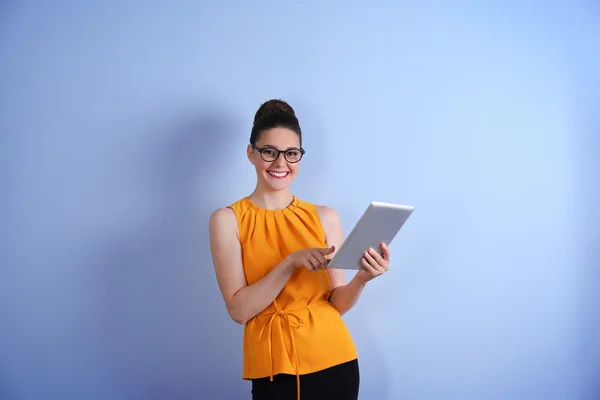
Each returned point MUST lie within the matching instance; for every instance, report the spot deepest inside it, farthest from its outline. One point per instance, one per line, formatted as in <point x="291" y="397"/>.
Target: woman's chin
<point x="278" y="183"/>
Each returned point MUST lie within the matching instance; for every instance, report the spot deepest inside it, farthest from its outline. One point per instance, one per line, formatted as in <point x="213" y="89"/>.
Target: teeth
<point x="278" y="174"/>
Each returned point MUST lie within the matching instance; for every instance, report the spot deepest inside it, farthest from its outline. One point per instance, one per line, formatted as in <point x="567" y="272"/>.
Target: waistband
<point x="293" y="322"/>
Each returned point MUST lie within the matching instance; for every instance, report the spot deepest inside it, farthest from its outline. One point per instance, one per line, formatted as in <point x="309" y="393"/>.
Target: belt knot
<point x="293" y="322"/>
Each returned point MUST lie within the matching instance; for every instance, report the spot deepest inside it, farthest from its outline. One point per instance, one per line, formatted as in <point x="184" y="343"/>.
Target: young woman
<point x="270" y="252"/>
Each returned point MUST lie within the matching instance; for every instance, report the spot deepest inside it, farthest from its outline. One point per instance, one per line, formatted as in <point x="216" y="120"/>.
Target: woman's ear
<point x="250" y="153"/>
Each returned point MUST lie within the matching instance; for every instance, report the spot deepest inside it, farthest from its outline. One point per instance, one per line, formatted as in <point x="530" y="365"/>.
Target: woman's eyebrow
<point x="270" y="146"/>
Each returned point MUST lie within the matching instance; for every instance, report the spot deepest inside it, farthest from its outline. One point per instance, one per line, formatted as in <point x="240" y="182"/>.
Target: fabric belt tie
<point x="293" y="322"/>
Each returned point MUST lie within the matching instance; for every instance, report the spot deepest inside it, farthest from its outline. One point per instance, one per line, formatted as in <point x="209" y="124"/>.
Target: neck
<point x="271" y="199"/>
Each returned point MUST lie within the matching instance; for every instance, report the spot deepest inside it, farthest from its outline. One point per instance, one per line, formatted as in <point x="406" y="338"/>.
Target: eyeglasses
<point x="270" y="154"/>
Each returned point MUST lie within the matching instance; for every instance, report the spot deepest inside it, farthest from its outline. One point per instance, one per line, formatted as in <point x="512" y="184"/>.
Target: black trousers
<point x="339" y="382"/>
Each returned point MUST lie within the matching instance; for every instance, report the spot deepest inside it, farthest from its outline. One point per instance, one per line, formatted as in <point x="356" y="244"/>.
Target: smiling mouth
<point x="278" y="175"/>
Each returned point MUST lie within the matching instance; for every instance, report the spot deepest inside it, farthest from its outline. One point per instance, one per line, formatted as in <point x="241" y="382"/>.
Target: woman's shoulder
<point x="330" y="222"/>
<point x="223" y="217"/>
<point x="328" y="216"/>
<point x="227" y="215"/>
<point x="232" y="209"/>
<point x="326" y="212"/>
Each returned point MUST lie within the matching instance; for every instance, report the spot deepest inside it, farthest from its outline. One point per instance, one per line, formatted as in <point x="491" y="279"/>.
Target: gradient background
<point x="124" y="124"/>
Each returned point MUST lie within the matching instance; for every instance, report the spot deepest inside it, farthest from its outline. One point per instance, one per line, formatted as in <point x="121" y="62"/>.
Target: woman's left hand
<point x="375" y="264"/>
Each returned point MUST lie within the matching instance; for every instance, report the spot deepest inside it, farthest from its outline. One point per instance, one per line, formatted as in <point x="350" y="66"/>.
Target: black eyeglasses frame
<point x="279" y="152"/>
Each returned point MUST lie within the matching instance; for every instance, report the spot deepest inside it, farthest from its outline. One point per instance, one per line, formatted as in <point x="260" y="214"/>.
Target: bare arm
<point x="243" y="301"/>
<point x="344" y="295"/>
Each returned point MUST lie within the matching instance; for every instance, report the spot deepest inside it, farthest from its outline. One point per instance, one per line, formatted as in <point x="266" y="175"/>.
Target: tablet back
<point x="380" y="222"/>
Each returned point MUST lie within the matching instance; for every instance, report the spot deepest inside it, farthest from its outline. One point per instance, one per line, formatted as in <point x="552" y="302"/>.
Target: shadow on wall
<point x="163" y="328"/>
<point x="155" y="324"/>
<point x="374" y="367"/>
<point x="590" y="326"/>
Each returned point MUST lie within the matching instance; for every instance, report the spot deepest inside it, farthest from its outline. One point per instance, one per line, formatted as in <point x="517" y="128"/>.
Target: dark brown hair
<point x="274" y="114"/>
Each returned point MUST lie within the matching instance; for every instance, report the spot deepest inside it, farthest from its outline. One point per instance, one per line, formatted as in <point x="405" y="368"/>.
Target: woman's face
<point x="277" y="174"/>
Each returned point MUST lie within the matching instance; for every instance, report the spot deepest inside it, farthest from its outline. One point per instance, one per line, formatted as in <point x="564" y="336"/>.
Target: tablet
<point x="380" y="222"/>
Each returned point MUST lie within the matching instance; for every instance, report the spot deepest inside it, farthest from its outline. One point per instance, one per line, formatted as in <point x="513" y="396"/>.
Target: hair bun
<point x="274" y="113"/>
<point x="271" y="107"/>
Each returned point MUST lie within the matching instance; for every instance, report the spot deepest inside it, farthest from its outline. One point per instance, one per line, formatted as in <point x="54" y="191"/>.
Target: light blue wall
<point x="124" y="124"/>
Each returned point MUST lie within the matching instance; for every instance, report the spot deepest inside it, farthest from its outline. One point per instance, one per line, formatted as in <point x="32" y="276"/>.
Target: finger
<point x="386" y="251"/>
<point x="368" y="266"/>
<point x="376" y="266"/>
<point x="382" y="263"/>
<point x="324" y="262"/>
<point x="312" y="263"/>
<point x="370" y="259"/>
<point x="378" y="258"/>
<point x="320" y="261"/>
<point x="327" y="250"/>
<point x="320" y="257"/>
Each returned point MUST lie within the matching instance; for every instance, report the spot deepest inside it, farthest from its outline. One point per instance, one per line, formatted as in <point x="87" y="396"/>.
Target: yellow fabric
<point x="301" y="331"/>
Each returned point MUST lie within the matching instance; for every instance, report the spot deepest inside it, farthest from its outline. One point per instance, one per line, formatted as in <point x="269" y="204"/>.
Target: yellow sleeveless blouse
<point x="300" y="331"/>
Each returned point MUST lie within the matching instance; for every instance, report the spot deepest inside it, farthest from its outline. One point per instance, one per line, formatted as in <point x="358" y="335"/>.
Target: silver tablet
<point x="380" y="222"/>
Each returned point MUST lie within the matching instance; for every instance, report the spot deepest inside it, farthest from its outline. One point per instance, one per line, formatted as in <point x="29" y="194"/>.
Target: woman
<point x="270" y="252"/>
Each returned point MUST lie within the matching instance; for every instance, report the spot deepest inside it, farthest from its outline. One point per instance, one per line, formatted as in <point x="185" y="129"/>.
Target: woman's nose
<point x="280" y="161"/>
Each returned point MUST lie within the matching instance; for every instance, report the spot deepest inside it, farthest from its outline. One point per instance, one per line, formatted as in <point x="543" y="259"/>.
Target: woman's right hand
<point x="313" y="259"/>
